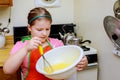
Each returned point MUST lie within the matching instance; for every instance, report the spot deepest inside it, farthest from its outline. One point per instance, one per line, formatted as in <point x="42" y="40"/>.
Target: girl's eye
<point x="39" y="29"/>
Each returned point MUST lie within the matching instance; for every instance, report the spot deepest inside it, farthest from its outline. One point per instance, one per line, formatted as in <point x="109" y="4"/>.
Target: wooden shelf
<point x="6" y="76"/>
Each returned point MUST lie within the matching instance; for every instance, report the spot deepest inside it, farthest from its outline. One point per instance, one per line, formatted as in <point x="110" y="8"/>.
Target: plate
<point x="47" y="3"/>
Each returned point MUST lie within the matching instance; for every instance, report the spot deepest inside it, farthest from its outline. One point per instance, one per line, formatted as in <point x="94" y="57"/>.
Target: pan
<point x="112" y="28"/>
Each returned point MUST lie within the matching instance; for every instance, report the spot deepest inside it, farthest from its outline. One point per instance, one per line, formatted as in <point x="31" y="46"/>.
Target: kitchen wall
<point x="88" y="15"/>
<point x="20" y="9"/>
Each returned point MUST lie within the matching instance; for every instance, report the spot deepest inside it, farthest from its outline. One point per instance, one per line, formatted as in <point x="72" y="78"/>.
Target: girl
<point x="25" y="53"/>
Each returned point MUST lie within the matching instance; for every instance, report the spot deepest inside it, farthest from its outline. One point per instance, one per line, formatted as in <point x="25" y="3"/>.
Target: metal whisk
<point x="47" y="66"/>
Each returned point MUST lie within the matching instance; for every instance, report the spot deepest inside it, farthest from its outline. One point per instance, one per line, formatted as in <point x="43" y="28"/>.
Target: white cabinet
<point x="88" y="74"/>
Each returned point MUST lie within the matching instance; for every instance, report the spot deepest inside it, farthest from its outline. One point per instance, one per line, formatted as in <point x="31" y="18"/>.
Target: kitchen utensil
<point x="78" y="41"/>
<point x="67" y="37"/>
<point x="5" y="30"/>
<point x="116" y="9"/>
<point x="69" y="54"/>
<point x="112" y="28"/>
<point x="47" y="65"/>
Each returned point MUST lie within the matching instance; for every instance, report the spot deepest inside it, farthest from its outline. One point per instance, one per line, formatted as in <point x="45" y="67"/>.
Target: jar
<point x="2" y="40"/>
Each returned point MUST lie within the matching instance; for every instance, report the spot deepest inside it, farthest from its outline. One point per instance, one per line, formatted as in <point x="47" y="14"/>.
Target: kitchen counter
<point x="4" y="52"/>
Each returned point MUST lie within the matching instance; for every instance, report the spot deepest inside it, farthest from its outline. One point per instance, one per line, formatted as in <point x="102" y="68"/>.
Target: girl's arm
<point x="14" y="61"/>
<point x="82" y="64"/>
<point x="16" y="58"/>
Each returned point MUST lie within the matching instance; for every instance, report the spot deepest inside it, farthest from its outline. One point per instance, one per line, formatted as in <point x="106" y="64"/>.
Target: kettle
<point x="71" y="39"/>
<point x="67" y="37"/>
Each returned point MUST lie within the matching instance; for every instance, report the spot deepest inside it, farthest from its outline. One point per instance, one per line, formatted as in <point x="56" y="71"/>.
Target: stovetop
<point x="89" y="50"/>
<point x="85" y="48"/>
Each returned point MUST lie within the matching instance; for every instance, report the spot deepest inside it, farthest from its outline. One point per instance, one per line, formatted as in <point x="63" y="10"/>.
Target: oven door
<point x="92" y="60"/>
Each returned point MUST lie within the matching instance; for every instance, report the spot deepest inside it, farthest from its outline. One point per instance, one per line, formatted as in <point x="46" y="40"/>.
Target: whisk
<point x="47" y="66"/>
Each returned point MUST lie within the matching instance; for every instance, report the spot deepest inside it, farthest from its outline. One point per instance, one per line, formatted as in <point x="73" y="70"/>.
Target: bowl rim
<point x="66" y="69"/>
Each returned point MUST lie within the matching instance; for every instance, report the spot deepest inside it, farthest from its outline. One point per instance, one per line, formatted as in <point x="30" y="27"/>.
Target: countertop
<point x="4" y="52"/>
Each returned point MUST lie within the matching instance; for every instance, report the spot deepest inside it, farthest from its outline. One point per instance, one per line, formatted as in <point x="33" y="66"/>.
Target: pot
<point x="78" y="41"/>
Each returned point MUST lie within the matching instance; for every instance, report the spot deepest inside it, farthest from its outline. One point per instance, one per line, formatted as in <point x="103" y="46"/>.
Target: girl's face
<point x="40" y="29"/>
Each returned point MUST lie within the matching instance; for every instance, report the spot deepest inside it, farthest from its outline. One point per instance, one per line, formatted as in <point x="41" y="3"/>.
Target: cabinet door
<point x="5" y="2"/>
<point x="7" y="77"/>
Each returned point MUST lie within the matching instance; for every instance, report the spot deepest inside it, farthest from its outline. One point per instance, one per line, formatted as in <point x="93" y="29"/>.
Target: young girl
<point x="25" y="53"/>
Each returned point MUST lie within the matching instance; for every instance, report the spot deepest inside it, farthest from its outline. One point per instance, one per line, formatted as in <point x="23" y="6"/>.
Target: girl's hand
<point x="33" y="43"/>
<point x="82" y="64"/>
